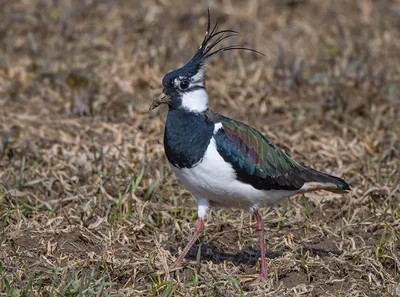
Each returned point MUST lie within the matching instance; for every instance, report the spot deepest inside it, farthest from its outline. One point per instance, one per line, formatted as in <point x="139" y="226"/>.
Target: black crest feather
<point x="213" y="38"/>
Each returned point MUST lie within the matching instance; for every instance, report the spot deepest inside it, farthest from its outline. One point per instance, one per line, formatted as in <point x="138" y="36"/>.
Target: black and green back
<point x="259" y="162"/>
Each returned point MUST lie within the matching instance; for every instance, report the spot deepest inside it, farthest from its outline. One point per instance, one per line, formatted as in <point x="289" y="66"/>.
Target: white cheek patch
<point x="194" y="82"/>
<point x="199" y="77"/>
<point x="196" y="100"/>
<point x="177" y="81"/>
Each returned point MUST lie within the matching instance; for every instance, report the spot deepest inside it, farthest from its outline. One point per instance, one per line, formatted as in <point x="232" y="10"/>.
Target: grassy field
<point x="88" y="205"/>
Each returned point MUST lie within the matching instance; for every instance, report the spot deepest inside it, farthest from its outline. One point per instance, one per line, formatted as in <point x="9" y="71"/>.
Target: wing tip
<point x="346" y="187"/>
<point x="341" y="184"/>
<point x="336" y="186"/>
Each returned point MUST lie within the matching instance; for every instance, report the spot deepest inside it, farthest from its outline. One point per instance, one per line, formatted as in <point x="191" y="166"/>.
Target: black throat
<point x="186" y="137"/>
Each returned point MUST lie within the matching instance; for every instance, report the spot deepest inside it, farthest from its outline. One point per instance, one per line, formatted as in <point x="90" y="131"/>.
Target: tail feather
<point x="316" y="180"/>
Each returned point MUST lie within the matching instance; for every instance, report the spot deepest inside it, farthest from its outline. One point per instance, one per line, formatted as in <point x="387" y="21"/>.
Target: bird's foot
<point x="177" y="264"/>
<point x="262" y="277"/>
<point x="264" y="272"/>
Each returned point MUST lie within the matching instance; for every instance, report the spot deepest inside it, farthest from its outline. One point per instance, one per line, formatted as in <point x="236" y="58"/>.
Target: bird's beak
<point x="162" y="99"/>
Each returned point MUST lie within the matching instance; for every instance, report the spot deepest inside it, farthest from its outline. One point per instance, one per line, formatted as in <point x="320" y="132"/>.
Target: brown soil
<point x="88" y="205"/>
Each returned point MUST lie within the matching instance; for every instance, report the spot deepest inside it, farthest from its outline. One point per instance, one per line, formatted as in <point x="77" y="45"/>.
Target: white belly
<point x="214" y="179"/>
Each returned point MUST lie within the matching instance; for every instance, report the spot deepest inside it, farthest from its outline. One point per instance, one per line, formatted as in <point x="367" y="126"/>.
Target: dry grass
<point x="87" y="203"/>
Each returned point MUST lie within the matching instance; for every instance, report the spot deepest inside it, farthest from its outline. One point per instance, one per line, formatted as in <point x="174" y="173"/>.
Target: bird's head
<point x="184" y="88"/>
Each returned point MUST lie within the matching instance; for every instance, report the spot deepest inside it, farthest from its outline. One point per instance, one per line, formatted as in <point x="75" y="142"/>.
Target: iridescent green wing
<point x="259" y="162"/>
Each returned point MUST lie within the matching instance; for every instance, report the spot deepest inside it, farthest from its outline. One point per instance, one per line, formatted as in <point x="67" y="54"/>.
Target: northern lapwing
<point x="223" y="162"/>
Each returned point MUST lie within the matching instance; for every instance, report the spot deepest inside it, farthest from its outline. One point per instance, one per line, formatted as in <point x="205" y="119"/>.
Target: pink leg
<point x="260" y="228"/>
<point x="192" y="240"/>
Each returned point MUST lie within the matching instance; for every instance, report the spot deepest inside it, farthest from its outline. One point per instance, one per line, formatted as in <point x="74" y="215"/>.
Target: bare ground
<point x="88" y="205"/>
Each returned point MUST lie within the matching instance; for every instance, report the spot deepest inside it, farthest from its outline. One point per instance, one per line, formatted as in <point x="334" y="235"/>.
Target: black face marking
<point x="195" y="88"/>
<point x="178" y="82"/>
<point x="186" y="137"/>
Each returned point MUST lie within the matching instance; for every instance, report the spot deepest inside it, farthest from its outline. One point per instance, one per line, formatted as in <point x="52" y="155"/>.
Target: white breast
<point x="215" y="180"/>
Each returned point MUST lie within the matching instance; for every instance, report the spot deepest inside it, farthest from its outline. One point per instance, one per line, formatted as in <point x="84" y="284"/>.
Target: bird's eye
<point x="184" y="85"/>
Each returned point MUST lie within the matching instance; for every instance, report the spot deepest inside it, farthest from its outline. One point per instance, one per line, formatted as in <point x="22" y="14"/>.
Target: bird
<point x="223" y="162"/>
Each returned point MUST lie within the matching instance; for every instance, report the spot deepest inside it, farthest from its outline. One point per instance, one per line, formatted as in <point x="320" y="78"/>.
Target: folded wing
<point x="259" y="162"/>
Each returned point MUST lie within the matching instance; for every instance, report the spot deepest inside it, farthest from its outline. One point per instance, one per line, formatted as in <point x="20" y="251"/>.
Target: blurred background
<point x="88" y="204"/>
